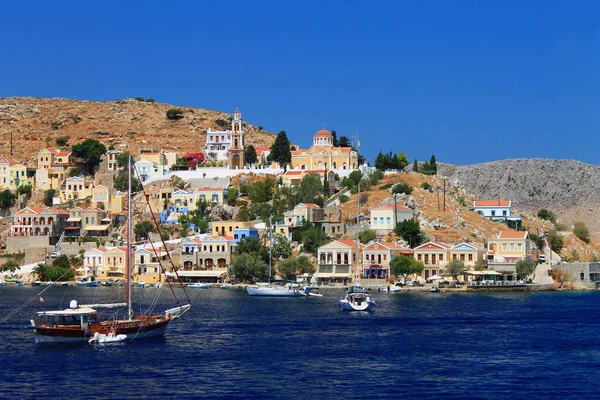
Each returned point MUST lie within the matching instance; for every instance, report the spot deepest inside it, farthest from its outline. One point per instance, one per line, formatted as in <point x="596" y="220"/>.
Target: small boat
<point x="2" y="283"/>
<point x="357" y="299"/>
<point x="225" y="286"/>
<point x="434" y="289"/>
<point x="315" y="294"/>
<point x="63" y="284"/>
<point x="142" y="284"/>
<point x="158" y="285"/>
<point x="111" y="337"/>
<point x="49" y="283"/>
<point x="396" y="287"/>
<point x="36" y="283"/>
<point x="199" y="285"/>
<point x="20" y="282"/>
<point x="106" y="283"/>
<point x="86" y="282"/>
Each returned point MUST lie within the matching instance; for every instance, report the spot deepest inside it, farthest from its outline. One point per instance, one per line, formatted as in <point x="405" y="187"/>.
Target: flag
<point x="358" y="143"/>
<point x="41" y="300"/>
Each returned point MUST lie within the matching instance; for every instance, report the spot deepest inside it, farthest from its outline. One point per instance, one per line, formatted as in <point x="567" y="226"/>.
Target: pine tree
<point x="433" y="165"/>
<point x="250" y="155"/>
<point x="415" y="166"/>
<point x="280" y="150"/>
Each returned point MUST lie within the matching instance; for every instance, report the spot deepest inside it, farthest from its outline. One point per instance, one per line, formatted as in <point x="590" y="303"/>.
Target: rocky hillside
<point x="129" y="124"/>
<point x="569" y="188"/>
<point x="453" y="220"/>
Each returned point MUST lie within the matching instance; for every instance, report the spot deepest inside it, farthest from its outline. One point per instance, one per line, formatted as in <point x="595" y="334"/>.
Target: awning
<point x="96" y="227"/>
<point x="106" y="219"/>
<point x="332" y="275"/>
<point x="74" y="219"/>
<point x="215" y="273"/>
<point x="484" y="272"/>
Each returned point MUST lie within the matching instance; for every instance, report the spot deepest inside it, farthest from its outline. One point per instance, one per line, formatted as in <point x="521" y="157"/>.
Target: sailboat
<point x="80" y="323"/>
<point x="356" y="298"/>
<point x="268" y="289"/>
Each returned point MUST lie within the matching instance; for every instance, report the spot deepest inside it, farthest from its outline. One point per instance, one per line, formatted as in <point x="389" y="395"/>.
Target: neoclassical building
<point x="228" y="144"/>
<point x="323" y="155"/>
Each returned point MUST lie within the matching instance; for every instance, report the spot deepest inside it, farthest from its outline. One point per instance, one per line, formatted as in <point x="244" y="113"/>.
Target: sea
<point x="230" y="346"/>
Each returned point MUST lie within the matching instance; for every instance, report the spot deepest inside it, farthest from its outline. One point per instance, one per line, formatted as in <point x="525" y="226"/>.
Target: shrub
<point x="385" y="187"/>
<point x="344" y="198"/>
<point x="426" y="186"/>
<point x="55" y="125"/>
<point x="402" y="187"/>
<point x="581" y="231"/>
<point x="61" y="141"/>
<point x="547" y="215"/>
<point x="139" y="98"/>
<point x="462" y="201"/>
<point x="150" y="100"/>
<point x="175" y="113"/>
<point x="366" y="236"/>
<point x="363" y="198"/>
<point x="24" y="189"/>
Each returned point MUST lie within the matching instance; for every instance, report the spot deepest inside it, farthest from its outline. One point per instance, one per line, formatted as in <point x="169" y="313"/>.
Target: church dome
<point x="323" y="133"/>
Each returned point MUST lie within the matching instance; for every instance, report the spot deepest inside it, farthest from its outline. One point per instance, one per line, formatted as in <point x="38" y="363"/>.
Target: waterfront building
<point x="87" y="221"/>
<point x="104" y="262"/>
<point x="149" y="262"/>
<point x="323" y="155"/>
<point x="469" y="254"/>
<point x="205" y="258"/>
<point x="336" y="261"/>
<point x="376" y="261"/>
<point x="434" y="256"/>
<point x="37" y="221"/>
<point x="509" y="247"/>
<point x="384" y="219"/>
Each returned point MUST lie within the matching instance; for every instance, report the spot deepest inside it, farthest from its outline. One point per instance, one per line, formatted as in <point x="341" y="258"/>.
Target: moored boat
<point x="199" y="285"/>
<point x="356" y="299"/>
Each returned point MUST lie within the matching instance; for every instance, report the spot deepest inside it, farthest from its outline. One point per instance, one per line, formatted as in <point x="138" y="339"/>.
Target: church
<point x="323" y="155"/>
<point x="227" y="144"/>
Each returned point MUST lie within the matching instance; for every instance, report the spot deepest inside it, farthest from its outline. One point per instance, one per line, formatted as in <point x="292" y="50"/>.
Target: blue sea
<point x="230" y="345"/>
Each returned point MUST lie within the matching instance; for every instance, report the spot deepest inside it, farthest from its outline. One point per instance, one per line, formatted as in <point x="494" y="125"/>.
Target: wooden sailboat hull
<point x="140" y="328"/>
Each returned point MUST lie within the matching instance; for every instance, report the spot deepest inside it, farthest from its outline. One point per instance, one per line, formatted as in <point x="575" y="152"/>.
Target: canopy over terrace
<point x="490" y="274"/>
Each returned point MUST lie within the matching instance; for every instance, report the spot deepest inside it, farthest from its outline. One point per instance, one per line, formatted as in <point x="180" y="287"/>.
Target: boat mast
<point x="128" y="261"/>
<point x="356" y="283"/>
<point x="270" y="244"/>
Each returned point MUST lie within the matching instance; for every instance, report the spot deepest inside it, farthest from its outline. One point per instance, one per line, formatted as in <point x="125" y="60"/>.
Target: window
<point x="441" y="257"/>
<point x="581" y="276"/>
<point x="504" y="247"/>
<point x="374" y="221"/>
<point x="504" y="213"/>
<point x="493" y="213"/>
<point x="519" y="246"/>
<point x="512" y="247"/>
<point x="388" y="220"/>
<point x="470" y="257"/>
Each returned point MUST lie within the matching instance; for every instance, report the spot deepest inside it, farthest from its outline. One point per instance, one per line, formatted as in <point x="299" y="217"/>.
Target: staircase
<point x="58" y="245"/>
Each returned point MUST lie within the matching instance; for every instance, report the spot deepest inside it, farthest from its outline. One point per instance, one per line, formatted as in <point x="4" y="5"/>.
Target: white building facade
<point x="219" y="142"/>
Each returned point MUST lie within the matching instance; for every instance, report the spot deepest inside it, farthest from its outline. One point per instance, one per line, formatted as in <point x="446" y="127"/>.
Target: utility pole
<point x="444" y="195"/>
<point x="11" y="150"/>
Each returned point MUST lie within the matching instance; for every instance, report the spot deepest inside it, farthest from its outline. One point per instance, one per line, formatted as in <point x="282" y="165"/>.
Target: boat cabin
<point x="80" y="317"/>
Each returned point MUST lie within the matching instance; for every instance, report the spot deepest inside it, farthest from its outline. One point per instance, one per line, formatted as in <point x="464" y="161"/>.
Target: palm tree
<point x="40" y="271"/>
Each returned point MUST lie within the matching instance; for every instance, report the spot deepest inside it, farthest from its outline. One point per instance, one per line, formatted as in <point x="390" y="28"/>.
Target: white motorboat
<point x="357" y="299"/>
<point x="396" y="287"/>
<point x="434" y="289"/>
<point x="111" y="337"/>
<point x="199" y="285"/>
<point x="274" y="291"/>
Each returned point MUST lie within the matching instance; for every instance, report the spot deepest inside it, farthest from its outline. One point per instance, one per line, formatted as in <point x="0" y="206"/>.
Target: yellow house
<point x="323" y="155"/>
<point x="337" y="262"/>
<point x="4" y="173"/>
<point x="104" y="262"/>
<point x="76" y="188"/>
<point x="434" y="256"/>
<point x="225" y="228"/>
<point x="509" y="247"/>
<point x="303" y="212"/>
<point x="49" y="178"/>
<point x="376" y="260"/>
<point x="20" y="175"/>
<point x="383" y="219"/>
<point x="117" y="203"/>
<point x="467" y="253"/>
<point x="52" y="158"/>
<point x="148" y="262"/>
<point x="210" y="195"/>
<point x="100" y="195"/>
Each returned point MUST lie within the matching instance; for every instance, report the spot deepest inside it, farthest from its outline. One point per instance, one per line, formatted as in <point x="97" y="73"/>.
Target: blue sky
<point x="468" y="81"/>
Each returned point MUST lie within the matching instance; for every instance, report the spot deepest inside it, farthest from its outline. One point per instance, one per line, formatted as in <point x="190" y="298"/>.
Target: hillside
<point x="457" y="222"/>
<point x="571" y="189"/>
<point x="129" y="124"/>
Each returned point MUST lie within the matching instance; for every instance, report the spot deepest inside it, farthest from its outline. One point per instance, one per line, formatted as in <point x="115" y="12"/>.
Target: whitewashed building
<point x="219" y="142"/>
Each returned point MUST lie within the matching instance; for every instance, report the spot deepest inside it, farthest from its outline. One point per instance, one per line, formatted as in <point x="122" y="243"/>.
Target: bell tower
<point x="236" y="151"/>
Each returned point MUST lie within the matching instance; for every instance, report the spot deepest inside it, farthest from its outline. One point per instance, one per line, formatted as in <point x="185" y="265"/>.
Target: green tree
<point x="248" y="268"/>
<point x="366" y="236"/>
<point x="90" y="151"/>
<point x="232" y="195"/>
<point x="24" y="189"/>
<point x="280" y="150"/>
<point x="581" y="231"/>
<point x="410" y="231"/>
<point x="386" y="161"/>
<point x="62" y="141"/>
<point x="344" y="141"/>
<point x="309" y="190"/>
<point x="121" y="182"/>
<point x="40" y="271"/>
<point x="250" y="155"/>
<point x="281" y="248"/>
<point x="142" y="229"/>
<point x="61" y="261"/>
<point x="454" y="268"/>
<point x="312" y="239"/>
<point x="415" y="166"/>
<point x="9" y="266"/>
<point x="262" y="191"/>
<point x="7" y="199"/>
<point x="174" y="114"/>
<point x="288" y="268"/>
<point x="402" y="187"/>
<point x="402" y="160"/>
<point x="430" y="168"/>
<point x="49" y="196"/>
<point x="547" y="215"/>
<point x="123" y="159"/>
<point x="525" y="268"/>
<point x="404" y="266"/>
<point x="555" y="240"/>
<point x="254" y="247"/>
<point x="351" y="181"/>
<point x="305" y="266"/>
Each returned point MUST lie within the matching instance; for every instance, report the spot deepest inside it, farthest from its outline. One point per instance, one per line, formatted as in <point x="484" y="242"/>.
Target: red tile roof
<point x="350" y="243"/>
<point x="324" y="133"/>
<point x="309" y="205"/>
<point x="512" y="235"/>
<point x="491" y="203"/>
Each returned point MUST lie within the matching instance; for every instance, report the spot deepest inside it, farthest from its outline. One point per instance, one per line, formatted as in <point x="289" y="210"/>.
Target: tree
<point x="254" y="247"/>
<point x="312" y="239"/>
<point x="7" y="199"/>
<point x="121" y="182"/>
<point x="49" y="196"/>
<point x="281" y="247"/>
<point x="415" y="166"/>
<point x="454" y="268"/>
<point x="556" y="241"/>
<point x="344" y="141"/>
<point x="430" y="168"/>
<point x="309" y="190"/>
<point x="61" y="261"/>
<point x="410" y="231"/>
<point x="40" y="271"/>
<point x="250" y="155"/>
<point x="547" y="215"/>
<point x="581" y="231"/>
<point x="143" y="228"/>
<point x="248" y="268"/>
<point x="123" y="159"/>
<point x="232" y="195"/>
<point x="9" y="266"/>
<point x="352" y="180"/>
<point x="62" y="141"/>
<point x="525" y="268"/>
<point x="280" y="150"/>
<point x="402" y="160"/>
<point x="24" y="189"/>
<point x="174" y="114"/>
<point x="90" y="151"/>
<point x="402" y="187"/>
<point x="386" y="161"/>
<point x="366" y="236"/>
<point x="262" y="191"/>
<point x="288" y="268"/>
<point x="305" y="266"/>
<point x="404" y="266"/>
